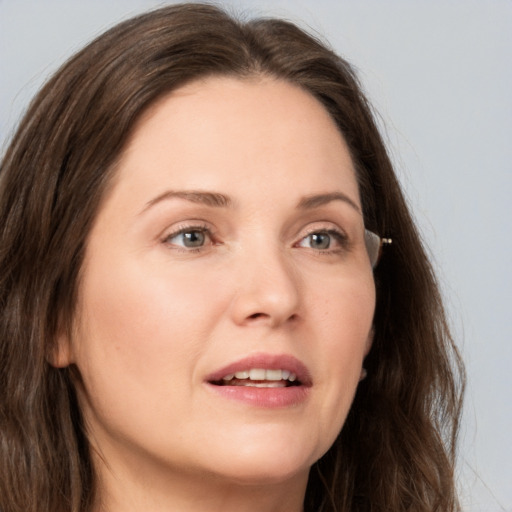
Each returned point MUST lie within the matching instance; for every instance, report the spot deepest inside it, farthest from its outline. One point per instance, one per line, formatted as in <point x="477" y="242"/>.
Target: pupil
<point x="320" y="241"/>
<point x="193" y="239"/>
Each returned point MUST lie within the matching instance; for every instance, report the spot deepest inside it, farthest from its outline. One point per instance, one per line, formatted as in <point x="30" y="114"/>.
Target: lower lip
<point x="269" y="398"/>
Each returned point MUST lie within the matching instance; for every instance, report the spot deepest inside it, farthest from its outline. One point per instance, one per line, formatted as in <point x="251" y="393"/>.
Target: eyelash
<point x="339" y="236"/>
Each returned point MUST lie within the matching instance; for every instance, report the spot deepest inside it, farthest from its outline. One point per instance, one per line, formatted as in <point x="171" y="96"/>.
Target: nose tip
<point x="267" y="295"/>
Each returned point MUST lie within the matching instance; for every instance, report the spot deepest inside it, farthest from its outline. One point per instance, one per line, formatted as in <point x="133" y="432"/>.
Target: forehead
<point x="227" y="132"/>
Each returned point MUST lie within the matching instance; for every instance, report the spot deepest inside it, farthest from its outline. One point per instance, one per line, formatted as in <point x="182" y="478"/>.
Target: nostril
<point x="265" y="316"/>
<point x="255" y="316"/>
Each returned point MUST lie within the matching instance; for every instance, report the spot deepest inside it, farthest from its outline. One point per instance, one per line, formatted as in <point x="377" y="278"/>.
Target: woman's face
<point x="227" y="259"/>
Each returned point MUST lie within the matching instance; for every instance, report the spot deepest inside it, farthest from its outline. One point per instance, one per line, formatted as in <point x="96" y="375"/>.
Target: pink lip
<point x="264" y="397"/>
<point x="267" y="361"/>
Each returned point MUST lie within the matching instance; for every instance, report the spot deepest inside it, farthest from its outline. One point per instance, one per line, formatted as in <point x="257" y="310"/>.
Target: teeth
<point x="270" y="384"/>
<point x="257" y="374"/>
<point x="261" y="374"/>
<point x="273" y="375"/>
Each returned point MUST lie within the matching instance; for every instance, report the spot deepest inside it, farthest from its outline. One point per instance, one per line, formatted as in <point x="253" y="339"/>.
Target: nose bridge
<point x="268" y="285"/>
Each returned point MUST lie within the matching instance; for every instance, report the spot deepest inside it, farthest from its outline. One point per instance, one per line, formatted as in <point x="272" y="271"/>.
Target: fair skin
<point x="232" y="235"/>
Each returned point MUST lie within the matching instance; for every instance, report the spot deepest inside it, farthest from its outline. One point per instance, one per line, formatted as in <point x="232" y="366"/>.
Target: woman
<point x="193" y="317"/>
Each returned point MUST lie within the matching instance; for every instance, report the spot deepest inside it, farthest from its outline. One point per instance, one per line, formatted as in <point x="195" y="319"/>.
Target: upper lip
<point x="266" y="361"/>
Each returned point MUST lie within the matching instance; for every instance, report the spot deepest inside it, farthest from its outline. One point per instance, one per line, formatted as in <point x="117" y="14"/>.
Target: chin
<point x="263" y="473"/>
<point x="265" y="459"/>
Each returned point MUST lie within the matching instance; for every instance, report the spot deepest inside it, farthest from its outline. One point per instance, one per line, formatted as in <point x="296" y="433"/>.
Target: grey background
<point x="440" y="75"/>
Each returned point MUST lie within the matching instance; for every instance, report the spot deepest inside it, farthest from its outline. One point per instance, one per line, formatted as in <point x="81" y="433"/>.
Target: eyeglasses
<point x="374" y="244"/>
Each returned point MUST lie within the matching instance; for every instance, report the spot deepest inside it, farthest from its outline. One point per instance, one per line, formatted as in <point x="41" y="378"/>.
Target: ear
<point x="60" y="352"/>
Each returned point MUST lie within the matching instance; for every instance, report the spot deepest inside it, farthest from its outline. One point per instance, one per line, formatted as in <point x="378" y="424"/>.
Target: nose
<point x="267" y="290"/>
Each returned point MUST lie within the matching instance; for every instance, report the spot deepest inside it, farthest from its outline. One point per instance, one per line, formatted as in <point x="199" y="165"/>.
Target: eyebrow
<point x="214" y="199"/>
<point x="218" y="200"/>
<point x="317" y="200"/>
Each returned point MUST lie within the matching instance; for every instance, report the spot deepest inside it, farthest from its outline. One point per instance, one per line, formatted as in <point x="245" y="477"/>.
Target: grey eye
<point x="193" y="239"/>
<point x="320" y="240"/>
<point x="189" y="238"/>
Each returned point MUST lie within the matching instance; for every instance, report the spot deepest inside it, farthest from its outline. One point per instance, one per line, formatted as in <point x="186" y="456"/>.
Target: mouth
<point x="263" y="381"/>
<point x="260" y="378"/>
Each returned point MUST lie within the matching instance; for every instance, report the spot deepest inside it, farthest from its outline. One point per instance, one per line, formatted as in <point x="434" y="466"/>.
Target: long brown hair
<point x="396" y="450"/>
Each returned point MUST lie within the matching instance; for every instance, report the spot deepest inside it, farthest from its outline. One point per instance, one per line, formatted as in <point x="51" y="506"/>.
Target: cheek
<point x="140" y="330"/>
<point x="131" y="304"/>
<point x="345" y="315"/>
<point x="344" y="308"/>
